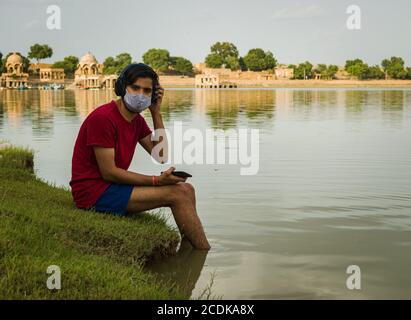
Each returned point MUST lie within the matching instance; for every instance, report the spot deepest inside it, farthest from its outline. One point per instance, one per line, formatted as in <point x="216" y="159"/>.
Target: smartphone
<point x="181" y="174"/>
<point x="153" y="96"/>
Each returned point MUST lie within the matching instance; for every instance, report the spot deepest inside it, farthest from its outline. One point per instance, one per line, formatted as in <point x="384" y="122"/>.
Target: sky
<point x="294" y="31"/>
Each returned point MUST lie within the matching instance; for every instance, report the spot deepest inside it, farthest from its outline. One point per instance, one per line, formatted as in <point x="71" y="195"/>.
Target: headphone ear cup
<point x="120" y="85"/>
<point x="119" y="88"/>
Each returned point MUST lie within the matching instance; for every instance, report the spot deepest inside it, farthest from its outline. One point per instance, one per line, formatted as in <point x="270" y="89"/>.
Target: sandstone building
<point x="52" y="75"/>
<point x="89" y="74"/>
<point x="226" y="78"/>
<point x="14" y="77"/>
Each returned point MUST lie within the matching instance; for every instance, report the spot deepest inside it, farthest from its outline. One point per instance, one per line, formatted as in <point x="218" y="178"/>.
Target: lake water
<point x="333" y="187"/>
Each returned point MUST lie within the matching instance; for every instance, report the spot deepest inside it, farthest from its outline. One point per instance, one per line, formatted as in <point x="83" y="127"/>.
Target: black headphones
<point x="120" y="85"/>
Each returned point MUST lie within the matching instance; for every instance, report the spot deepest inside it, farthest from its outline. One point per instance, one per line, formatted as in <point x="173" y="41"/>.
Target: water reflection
<point x="183" y="269"/>
<point x="356" y="100"/>
<point x="42" y="115"/>
<point x="224" y="108"/>
<point x="14" y="104"/>
<point x="177" y="103"/>
<point x="392" y="104"/>
<point x="314" y="97"/>
<point x="87" y="100"/>
<point x="392" y="100"/>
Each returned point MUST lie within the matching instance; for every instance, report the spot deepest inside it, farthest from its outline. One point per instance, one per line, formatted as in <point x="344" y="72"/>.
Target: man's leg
<point x="181" y="199"/>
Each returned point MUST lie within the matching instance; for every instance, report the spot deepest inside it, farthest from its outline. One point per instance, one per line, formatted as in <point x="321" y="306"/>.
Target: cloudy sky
<point x="294" y="31"/>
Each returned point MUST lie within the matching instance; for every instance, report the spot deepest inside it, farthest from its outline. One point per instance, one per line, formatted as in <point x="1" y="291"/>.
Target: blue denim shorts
<point x="114" y="199"/>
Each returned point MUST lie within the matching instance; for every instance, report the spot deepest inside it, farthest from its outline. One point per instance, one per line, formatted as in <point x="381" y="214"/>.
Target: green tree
<point x="214" y="61"/>
<point x="350" y="63"/>
<point x="362" y="71"/>
<point x="40" y="51"/>
<point x="303" y="70"/>
<point x="331" y="71"/>
<point x="409" y="73"/>
<point x="233" y="63"/>
<point x="69" y="64"/>
<point x="242" y="64"/>
<point x="1" y="63"/>
<point x="321" y="69"/>
<point x="26" y="64"/>
<point x="123" y="60"/>
<point x="158" y="59"/>
<point x="375" y="72"/>
<point x="255" y="59"/>
<point x="223" y="53"/>
<point x="357" y="68"/>
<point x="109" y="66"/>
<point x="327" y="72"/>
<point x="270" y="61"/>
<point x="182" y="65"/>
<point x="117" y="64"/>
<point x="394" y="68"/>
<point x="258" y="60"/>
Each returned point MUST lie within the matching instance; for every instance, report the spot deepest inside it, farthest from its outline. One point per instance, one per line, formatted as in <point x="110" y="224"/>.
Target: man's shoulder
<point x="103" y="111"/>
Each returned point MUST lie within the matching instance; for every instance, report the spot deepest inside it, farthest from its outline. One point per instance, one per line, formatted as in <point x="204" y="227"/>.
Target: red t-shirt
<point x="104" y="127"/>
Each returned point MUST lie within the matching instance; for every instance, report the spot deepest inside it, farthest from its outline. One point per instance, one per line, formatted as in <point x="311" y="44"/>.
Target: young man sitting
<point x="105" y="147"/>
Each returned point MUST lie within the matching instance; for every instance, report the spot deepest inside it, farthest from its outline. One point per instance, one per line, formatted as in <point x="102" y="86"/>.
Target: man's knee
<point x="187" y="187"/>
<point x="183" y="191"/>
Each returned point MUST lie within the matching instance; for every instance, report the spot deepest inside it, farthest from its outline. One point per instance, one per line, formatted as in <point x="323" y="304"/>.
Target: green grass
<point x="100" y="256"/>
<point x="12" y="157"/>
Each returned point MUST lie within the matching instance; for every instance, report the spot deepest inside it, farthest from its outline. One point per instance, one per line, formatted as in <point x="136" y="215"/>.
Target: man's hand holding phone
<point x="167" y="177"/>
<point x="158" y="95"/>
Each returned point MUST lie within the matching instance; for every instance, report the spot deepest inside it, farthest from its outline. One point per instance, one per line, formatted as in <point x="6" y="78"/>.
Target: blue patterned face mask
<point x="136" y="102"/>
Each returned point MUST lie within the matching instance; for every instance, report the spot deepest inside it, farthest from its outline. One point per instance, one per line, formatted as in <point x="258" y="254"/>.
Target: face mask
<point x="136" y="102"/>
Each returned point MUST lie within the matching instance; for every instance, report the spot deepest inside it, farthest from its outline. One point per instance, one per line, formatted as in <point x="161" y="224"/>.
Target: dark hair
<point x="131" y="73"/>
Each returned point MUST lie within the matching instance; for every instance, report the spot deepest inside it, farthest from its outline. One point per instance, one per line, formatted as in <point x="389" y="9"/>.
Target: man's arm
<point x="149" y="143"/>
<point x="111" y="173"/>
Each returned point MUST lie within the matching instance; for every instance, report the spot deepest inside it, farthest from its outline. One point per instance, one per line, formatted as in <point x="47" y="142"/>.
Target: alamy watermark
<point x="354" y="280"/>
<point x="53" y="21"/>
<point x="209" y="146"/>
<point x="54" y="280"/>
<point x="354" y="18"/>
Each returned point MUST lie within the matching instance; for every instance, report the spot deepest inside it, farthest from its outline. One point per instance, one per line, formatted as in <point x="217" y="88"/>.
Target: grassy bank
<point x="100" y="256"/>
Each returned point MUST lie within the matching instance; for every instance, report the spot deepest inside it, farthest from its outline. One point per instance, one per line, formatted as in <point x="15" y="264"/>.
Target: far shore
<point x="188" y="82"/>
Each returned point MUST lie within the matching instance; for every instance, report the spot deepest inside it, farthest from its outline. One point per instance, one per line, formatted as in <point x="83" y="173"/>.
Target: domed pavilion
<point x="89" y="74"/>
<point x="14" y="77"/>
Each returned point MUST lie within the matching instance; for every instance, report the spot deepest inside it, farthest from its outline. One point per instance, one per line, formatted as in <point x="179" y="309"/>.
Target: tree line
<point x="223" y="54"/>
